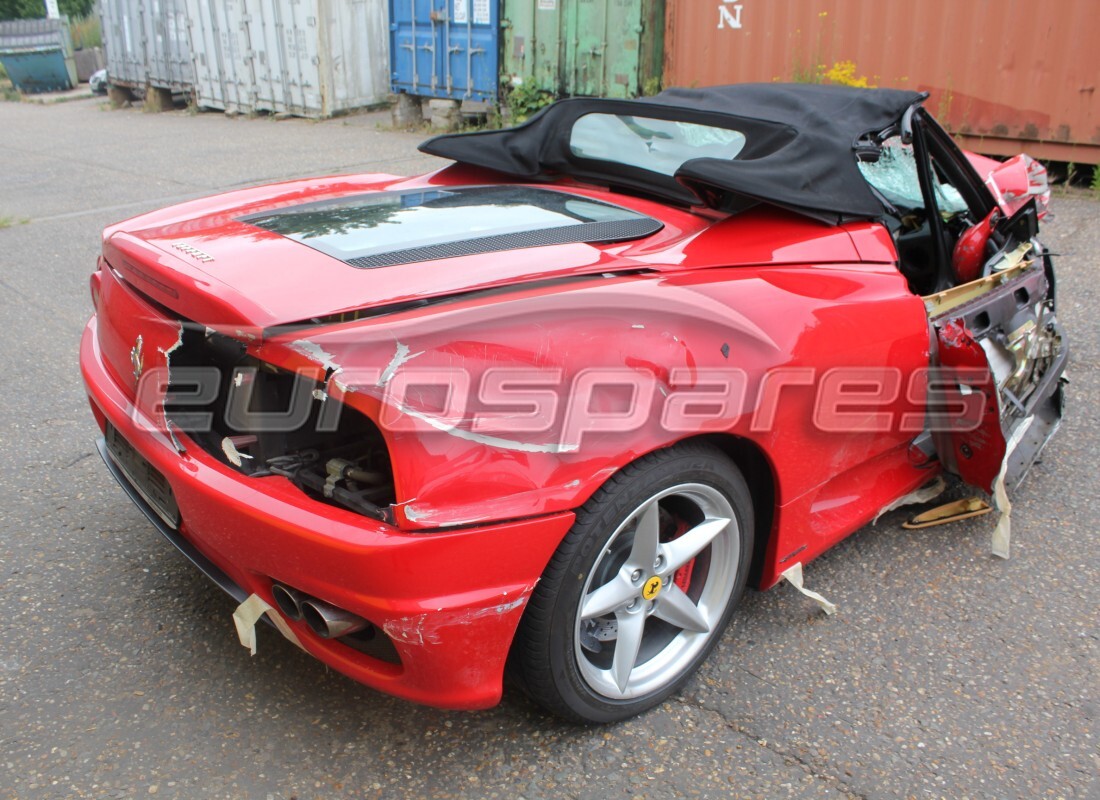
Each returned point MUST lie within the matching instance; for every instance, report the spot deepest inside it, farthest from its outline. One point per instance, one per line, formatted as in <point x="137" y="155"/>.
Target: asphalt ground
<point x="946" y="673"/>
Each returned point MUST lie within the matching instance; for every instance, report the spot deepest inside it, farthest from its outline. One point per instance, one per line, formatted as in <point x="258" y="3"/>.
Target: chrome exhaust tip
<point x="330" y="622"/>
<point x="288" y="600"/>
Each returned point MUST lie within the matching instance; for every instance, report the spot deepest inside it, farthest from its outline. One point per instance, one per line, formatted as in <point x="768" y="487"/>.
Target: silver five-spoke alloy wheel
<point x="657" y="592"/>
<point x="638" y="592"/>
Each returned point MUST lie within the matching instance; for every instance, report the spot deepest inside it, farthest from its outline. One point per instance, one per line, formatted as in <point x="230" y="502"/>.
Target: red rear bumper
<point x="450" y="601"/>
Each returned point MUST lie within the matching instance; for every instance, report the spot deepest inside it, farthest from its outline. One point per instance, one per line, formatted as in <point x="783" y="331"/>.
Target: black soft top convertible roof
<point x="799" y="149"/>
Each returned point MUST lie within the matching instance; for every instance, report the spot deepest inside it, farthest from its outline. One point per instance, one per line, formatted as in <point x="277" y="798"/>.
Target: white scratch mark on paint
<point x="400" y="357"/>
<point x="168" y="366"/>
<point x="320" y="356"/>
<point x="422" y="629"/>
<point x="490" y="441"/>
<point x="315" y="353"/>
<point x="172" y="435"/>
<point x="168" y="353"/>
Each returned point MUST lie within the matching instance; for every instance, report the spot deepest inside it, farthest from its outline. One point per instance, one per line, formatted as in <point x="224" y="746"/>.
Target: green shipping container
<point x="604" y="48"/>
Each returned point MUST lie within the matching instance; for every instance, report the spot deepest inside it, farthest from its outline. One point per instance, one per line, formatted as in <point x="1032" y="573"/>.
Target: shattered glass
<point x="895" y="176"/>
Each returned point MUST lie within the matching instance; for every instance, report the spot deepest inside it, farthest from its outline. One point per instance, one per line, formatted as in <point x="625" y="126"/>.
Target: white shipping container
<point x="121" y="25"/>
<point x="147" y="43"/>
<point x="311" y="58"/>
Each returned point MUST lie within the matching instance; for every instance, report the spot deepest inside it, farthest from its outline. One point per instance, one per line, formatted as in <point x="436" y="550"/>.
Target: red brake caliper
<point x="682" y="578"/>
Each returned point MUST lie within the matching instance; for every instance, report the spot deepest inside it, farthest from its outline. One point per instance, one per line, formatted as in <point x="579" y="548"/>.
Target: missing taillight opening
<point x="264" y="421"/>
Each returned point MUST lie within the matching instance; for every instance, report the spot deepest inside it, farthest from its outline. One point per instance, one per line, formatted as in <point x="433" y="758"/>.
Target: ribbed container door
<point x="608" y="48"/>
<point x="238" y="57"/>
<point x="611" y="47"/>
<point x="124" y="41"/>
<point x="260" y="23"/>
<point x="291" y="57"/>
<point x="445" y="48"/>
<point x="531" y="43"/>
<point x="586" y="33"/>
<point x="310" y="58"/>
<point x="167" y="47"/>
<point x="282" y="54"/>
<point x="601" y="47"/>
<point x="355" y="71"/>
<point x="223" y="77"/>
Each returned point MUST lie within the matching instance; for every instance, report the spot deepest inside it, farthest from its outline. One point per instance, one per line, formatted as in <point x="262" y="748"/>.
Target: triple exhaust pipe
<point x="327" y="621"/>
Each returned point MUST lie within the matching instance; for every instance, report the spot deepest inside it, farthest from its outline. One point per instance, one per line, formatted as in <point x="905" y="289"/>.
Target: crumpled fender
<point x="493" y="451"/>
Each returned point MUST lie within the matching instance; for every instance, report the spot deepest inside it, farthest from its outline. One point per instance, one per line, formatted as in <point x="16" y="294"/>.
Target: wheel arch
<point x="759" y="474"/>
<point x="544" y="632"/>
<point x="761" y="477"/>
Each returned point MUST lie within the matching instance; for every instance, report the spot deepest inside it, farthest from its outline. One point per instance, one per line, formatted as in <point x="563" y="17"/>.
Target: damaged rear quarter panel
<point x="669" y="332"/>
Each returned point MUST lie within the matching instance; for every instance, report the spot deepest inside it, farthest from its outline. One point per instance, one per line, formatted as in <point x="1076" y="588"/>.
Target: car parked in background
<point x="98" y="82"/>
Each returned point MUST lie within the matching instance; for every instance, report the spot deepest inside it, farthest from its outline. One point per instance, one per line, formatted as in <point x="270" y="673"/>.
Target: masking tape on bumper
<point x="793" y="576"/>
<point x="248" y="614"/>
<point x="1002" y="534"/>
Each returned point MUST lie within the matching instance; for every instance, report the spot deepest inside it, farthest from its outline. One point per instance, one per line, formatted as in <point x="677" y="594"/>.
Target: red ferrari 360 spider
<point x="552" y="407"/>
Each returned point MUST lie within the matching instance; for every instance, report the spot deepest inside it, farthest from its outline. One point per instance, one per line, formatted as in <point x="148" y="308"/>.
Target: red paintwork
<point x="1014" y="182"/>
<point x="969" y="254"/>
<point x="760" y="292"/>
<point x="976" y="454"/>
<point x="420" y="589"/>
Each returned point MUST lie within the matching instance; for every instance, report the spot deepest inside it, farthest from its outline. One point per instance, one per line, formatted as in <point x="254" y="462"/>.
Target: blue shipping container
<point x="445" y="48"/>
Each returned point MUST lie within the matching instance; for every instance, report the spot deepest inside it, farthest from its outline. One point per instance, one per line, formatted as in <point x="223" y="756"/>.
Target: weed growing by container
<point x="651" y="86"/>
<point x="86" y="32"/>
<point x="843" y="73"/>
<point x="525" y="99"/>
<point x="7" y="89"/>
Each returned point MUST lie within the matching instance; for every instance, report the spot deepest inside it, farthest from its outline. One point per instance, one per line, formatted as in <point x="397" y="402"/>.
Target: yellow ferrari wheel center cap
<point x="652" y="587"/>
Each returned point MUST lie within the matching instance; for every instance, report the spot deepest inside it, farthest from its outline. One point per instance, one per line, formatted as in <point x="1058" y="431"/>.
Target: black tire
<point x="680" y="494"/>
